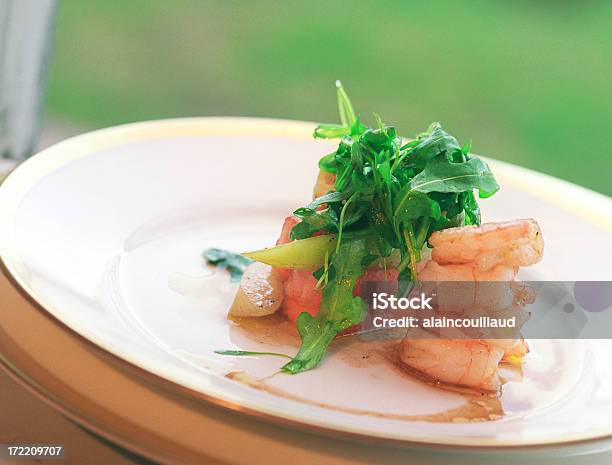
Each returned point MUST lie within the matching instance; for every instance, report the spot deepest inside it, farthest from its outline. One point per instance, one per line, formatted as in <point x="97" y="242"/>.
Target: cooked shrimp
<point x="465" y="286"/>
<point x="491" y="252"/>
<point x="512" y="243"/>
<point x="463" y="362"/>
<point x="515" y="352"/>
<point x="433" y="271"/>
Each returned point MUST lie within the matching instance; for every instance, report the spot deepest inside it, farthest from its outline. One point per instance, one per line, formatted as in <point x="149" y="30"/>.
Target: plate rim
<point x="21" y="179"/>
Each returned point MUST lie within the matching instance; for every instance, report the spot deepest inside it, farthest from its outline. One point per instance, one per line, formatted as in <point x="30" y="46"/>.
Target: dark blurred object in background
<point x="25" y="43"/>
<point x="529" y="82"/>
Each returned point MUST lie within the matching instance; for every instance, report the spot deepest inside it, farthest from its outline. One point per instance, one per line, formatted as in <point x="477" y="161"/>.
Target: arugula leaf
<point x="328" y="162"/>
<point x="313" y="222"/>
<point x="331" y="131"/>
<point x="350" y="124"/>
<point x="232" y="262"/>
<point x="431" y="144"/>
<point x="241" y="353"/>
<point x="412" y="204"/>
<point x="470" y="207"/>
<point x="330" y="197"/>
<point x="443" y="175"/>
<point x="316" y="334"/>
<point x="340" y="309"/>
<point x="345" y="108"/>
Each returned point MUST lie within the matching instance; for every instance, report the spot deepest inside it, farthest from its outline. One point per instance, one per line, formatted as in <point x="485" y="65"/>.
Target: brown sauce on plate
<point x="274" y="330"/>
<point x="478" y="407"/>
<point x="360" y="351"/>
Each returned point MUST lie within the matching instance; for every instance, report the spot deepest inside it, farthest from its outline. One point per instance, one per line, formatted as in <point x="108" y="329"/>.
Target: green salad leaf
<point x="340" y="309"/>
<point x="249" y="353"/>
<point x="444" y="175"/>
<point x="234" y="263"/>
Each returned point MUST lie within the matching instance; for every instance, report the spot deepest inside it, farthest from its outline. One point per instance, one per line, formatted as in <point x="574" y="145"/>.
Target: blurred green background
<point x="528" y="82"/>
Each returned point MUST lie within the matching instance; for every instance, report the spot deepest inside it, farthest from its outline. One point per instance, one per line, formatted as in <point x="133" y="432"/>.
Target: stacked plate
<point x="109" y="314"/>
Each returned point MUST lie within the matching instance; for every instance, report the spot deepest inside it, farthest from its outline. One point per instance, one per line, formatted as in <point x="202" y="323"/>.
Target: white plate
<point x="106" y="232"/>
